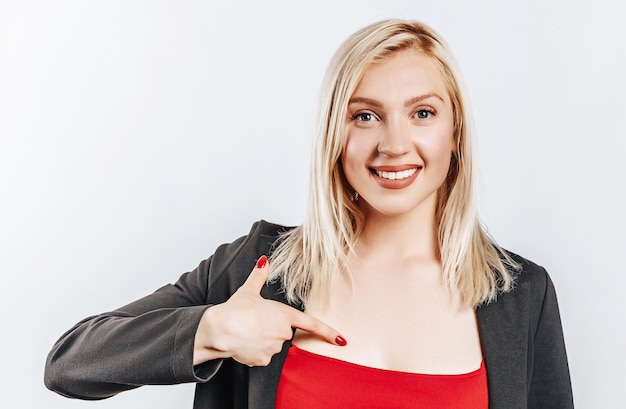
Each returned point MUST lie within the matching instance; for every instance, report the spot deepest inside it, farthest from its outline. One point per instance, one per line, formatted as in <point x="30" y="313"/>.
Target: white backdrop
<point x="136" y="136"/>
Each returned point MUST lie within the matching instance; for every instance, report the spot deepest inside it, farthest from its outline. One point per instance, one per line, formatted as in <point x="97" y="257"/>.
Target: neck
<point x="402" y="236"/>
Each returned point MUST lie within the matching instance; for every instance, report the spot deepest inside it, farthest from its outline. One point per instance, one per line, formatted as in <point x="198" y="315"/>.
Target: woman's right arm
<point x="182" y="332"/>
<point x="149" y="341"/>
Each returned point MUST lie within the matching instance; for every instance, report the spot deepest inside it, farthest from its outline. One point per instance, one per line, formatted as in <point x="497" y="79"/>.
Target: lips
<point x="395" y="177"/>
<point x="403" y="174"/>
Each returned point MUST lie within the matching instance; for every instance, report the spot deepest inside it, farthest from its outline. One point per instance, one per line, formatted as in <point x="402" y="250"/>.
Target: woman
<point x="391" y="294"/>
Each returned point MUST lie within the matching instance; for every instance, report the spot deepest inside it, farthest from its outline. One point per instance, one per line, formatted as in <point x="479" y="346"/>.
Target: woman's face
<point x="399" y="135"/>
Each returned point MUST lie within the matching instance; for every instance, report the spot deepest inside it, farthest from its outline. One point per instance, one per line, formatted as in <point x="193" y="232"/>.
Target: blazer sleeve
<point x="150" y="341"/>
<point x="549" y="383"/>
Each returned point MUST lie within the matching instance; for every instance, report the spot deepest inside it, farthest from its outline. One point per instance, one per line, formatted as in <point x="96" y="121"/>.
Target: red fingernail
<point x="262" y="261"/>
<point x="341" y="341"/>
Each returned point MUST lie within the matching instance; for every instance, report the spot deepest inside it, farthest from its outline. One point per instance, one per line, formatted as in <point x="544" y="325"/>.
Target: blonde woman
<point x="389" y="295"/>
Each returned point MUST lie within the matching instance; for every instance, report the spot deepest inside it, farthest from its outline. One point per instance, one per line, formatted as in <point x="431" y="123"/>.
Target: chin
<point x="402" y="207"/>
<point x="399" y="210"/>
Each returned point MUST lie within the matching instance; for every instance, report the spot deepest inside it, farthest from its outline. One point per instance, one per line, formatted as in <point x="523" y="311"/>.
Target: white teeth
<point x="403" y="174"/>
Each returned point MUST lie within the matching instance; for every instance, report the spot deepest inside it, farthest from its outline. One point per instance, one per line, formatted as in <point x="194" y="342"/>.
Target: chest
<point x="410" y="325"/>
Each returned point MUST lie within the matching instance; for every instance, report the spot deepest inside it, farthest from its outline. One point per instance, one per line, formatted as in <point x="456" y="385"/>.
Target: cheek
<point x="438" y="147"/>
<point x="353" y="154"/>
<point x="356" y="152"/>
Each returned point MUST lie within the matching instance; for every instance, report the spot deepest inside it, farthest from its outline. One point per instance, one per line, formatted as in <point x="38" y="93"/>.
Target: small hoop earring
<point x="355" y="197"/>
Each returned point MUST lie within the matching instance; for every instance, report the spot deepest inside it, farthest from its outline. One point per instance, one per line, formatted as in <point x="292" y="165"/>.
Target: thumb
<point x="258" y="277"/>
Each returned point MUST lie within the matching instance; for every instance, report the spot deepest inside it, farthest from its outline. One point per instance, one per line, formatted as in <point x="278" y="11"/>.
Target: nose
<point x="395" y="140"/>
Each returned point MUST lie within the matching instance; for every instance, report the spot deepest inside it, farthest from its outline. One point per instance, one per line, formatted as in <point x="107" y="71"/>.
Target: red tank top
<point x="311" y="381"/>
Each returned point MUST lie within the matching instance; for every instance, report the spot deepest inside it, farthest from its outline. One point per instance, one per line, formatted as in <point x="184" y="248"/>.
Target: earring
<point x="355" y="197"/>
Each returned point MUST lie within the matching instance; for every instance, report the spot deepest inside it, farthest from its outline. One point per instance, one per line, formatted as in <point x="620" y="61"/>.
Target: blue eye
<point x="423" y="114"/>
<point x="364" y="117"/>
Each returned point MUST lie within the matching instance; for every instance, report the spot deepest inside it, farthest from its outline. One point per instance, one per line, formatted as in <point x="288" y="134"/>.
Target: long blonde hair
<point x="310" y="257"/>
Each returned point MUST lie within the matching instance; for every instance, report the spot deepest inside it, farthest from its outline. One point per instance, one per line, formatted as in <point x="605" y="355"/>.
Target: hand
<point x="252" y="329"/>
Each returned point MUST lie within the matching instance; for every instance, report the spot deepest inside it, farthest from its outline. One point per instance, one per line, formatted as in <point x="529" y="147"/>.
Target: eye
<point x="424" y="114"/>
<point x="364" y="117"/>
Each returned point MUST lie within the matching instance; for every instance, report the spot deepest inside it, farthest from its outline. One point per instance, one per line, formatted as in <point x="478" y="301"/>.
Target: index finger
<point x="316" y="327"/>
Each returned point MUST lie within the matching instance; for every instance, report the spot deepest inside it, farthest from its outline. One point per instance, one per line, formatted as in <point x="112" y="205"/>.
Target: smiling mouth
<point x="403" y="174"/>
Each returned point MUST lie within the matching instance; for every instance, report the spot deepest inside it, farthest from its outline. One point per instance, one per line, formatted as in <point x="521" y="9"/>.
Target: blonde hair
<point x="310" y="257"/>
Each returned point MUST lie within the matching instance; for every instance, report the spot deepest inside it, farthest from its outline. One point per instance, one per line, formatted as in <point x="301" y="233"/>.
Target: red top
<point x="311" y="381"/>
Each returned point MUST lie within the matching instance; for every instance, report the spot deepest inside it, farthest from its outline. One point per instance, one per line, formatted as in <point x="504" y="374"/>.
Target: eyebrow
<point x="419" y="98"/>
<point x="407" y="103"/>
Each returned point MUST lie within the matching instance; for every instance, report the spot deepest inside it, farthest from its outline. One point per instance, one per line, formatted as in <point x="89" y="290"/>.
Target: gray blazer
<point x="150" y="341"/>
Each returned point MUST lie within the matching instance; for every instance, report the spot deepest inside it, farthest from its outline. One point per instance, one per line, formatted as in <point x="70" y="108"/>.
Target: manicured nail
<point x="262" y="261"/>
<point x="340" y="341"/>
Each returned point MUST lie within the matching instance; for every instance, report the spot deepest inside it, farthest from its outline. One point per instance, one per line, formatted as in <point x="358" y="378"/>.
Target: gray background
<point x="136" y="136"/>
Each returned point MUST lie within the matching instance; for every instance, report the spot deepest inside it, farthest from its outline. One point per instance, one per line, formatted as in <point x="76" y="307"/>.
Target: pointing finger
<point x="316" y="327"/>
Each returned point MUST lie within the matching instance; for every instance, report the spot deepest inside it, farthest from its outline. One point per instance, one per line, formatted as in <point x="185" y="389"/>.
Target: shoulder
<point x="533" y="288"/>
<point x="528" y="271"/>
<point x="258" y="241"/>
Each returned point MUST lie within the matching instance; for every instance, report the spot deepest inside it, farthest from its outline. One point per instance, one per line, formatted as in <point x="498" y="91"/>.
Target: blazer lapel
<point x="263" y="381"/>
<point x="503" y="327"/>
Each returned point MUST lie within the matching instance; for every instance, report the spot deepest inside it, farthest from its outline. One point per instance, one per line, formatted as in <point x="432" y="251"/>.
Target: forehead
<point x="408" y="70"/>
